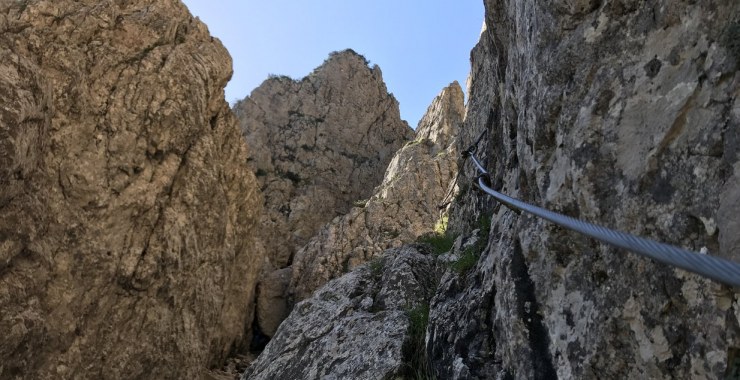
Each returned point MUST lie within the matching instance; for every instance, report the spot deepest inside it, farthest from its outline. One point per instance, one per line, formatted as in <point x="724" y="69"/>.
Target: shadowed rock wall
<point x="622" y="113"/>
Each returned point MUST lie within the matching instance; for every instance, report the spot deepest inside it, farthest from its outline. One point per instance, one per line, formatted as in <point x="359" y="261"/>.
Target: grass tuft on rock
<point x="470" y="255"/>
<point x="467" y="261"/>
<point x="440" y="243"/>
<point x="440" y="240"/>
<point x="376" y="266"/>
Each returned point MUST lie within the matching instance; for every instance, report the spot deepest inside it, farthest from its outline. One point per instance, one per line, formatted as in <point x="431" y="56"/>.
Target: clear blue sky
<point x="421" y="46"/>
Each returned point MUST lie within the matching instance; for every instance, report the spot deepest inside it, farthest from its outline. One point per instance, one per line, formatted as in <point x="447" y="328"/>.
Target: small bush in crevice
<point x="441" y="240"/>
<point x="484" y="224"/>
<point x="469" y="257"/>
<point x="440" y="243"/>
<point x="467" y="260"/>
<point x="376" y="266"/>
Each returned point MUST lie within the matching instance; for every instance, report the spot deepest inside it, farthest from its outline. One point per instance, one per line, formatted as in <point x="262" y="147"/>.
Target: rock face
<point x="126" y="209"/>
<point x="272" y="305"/>
<point x="406" y="205"/>
<point x="619" y="113"/>
<point x="318" y="145"/>
<point x="355" y="327"/>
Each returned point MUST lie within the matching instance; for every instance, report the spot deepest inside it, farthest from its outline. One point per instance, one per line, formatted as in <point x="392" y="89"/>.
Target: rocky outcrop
<point x="126" y="209"/>
<point x="407" y="204"/>
<point x="318" y="145"/>
<point x="359" y="326"/>
<point x="619" y="113"/>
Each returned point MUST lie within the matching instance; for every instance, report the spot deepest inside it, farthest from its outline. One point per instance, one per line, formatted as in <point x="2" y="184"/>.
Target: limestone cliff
<point x="126" y="207"/>
<point x="407" y="204"/>
<point x="317" y="145"/>
<point x="622" y="113"/>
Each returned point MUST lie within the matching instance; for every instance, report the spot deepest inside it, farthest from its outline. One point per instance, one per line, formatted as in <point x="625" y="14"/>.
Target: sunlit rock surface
<point x="409" y="203"/>
<point x="127" y="212"/>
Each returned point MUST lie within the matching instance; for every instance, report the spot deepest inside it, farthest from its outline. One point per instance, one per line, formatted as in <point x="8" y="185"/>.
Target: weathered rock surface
<point x="405" y="206"/>
<point x="355" y="327"/>
<point x="272" y="305"/>
<point x="126" y="209"/>
<point x="623" y="114"/>
<point x="317" y="145"/>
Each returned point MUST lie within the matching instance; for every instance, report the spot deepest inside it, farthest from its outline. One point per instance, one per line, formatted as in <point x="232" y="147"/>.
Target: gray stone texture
<point x="317" y="145"/>
<point x="354" y="327"/>
<point x="625" y="114"/>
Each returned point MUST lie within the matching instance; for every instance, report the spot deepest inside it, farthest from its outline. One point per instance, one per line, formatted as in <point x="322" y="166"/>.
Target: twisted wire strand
<point x="715" y="268"/>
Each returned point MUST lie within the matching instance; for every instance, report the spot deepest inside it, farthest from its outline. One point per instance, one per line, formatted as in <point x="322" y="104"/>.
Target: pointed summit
<point x="317" y="145"/>
<point x="442" y="120"/>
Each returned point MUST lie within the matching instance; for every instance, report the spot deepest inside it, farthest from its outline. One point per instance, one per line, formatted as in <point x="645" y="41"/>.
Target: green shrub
<point x="440" y="243"/>
<point x="469" y="257"/>
<point x="376" y="266"/>
<point x="466" y="261"/>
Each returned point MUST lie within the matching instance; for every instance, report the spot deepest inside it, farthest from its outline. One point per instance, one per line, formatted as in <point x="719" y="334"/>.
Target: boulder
<point x="366" y="324"/>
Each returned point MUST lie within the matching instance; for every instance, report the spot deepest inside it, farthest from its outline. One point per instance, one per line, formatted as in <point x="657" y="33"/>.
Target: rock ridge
<point x="408" y="203"/>
<point x="318" y="144"/>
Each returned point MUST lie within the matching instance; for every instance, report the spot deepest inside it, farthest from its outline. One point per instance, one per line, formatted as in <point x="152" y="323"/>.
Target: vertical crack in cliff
<point x="528" y="310"/>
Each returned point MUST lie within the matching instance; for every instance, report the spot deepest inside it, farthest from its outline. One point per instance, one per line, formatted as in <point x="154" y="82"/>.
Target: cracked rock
<point x="624" y="115"/>
<point x="355" y="327"/>
<point x="318" y="145"/>
<point x="126" y="209"/>
<point x="408" y="203"/>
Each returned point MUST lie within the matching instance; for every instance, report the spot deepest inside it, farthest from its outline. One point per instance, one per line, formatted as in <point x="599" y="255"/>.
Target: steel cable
<point x="715" y="268"/>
